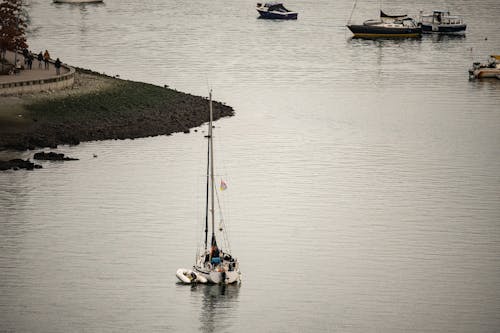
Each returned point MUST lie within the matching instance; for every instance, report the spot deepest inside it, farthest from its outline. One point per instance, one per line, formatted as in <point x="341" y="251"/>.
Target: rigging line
<point x="352" y="12"/>
<point x="221" y="200"/>
<point x="209" y="88"/>
<point x="222" y="224"/>
<point x="227" y="213"/>
<point x="199" y="215"/>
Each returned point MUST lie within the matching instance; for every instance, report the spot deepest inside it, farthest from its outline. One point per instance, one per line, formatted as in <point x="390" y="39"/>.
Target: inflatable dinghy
<point x="187" y="276"/>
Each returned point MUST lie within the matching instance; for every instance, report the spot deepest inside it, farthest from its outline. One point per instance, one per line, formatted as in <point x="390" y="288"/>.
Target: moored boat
<point x="441" y="22"/>
<point x="214" y="261"/>
<point x="275" y="11"/>
<point x="489" y="70"/>
<point x="77" y="1"/>
<point x="387" y="26"/>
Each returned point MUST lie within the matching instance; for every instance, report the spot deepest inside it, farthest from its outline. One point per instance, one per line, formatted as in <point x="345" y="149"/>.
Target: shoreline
<point x="100" y="107"/>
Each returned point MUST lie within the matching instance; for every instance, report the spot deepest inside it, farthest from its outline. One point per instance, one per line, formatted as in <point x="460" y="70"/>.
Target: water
<point x="364" y="177"/>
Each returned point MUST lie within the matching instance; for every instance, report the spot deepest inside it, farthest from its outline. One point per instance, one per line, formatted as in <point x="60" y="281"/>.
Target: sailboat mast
<point x="212" y="181"/>
<point x="206" y="199"/>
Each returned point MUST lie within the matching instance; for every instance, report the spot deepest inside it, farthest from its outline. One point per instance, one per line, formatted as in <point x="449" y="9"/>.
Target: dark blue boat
<point x="387" y="26"/>
<point x="441" y="22"/>
<point x="275" y="11"/>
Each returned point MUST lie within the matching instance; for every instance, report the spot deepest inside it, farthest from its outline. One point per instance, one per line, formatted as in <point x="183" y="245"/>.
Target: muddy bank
<point x="100" y="107"/>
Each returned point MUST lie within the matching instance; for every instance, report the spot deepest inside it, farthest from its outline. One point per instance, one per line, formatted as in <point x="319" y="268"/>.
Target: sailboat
<point x="387" y="26"/>
<point x="214" y="262"/>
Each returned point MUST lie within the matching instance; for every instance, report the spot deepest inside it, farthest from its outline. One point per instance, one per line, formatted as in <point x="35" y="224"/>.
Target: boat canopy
<point x="271" y="4"/>
<point x="446" y="12"/>
<point x="441" y="17"/>
<point x="441" y="13"/>
<point x="276" y="6"/>
<point x="382" y="14"/>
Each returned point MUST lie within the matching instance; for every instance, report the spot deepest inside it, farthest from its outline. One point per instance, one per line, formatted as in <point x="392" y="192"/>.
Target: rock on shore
<point x="100" y="107"/>
<point x="51" y="156"/>
<point x="17" y="164"/>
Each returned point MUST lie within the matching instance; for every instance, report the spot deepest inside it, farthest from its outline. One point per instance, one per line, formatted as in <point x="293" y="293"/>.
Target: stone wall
<point x="36" y="85"/>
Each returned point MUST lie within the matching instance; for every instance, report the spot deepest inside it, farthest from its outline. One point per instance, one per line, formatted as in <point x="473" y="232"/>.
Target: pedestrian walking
<point x="30" y="61"/>
<point x="26" y="55"/>
<point x="58" y="66"/>
<point x="46" y="59"/>
<point x="40" y="59"/>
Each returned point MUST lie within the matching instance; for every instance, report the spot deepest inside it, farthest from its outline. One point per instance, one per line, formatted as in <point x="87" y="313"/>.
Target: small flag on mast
<point x="223" y="185"/>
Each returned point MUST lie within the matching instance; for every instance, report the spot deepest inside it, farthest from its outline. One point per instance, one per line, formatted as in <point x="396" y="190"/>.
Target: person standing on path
<point x="40" y="58"/>
<point x="30" y="61"/>
<point x="58" y="66"/>
<point x="46" y="58"/>
<point x="26" y="55"/>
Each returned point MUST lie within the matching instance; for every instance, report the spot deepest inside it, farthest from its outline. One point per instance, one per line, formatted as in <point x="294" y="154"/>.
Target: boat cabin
<point x="408" y="22"/>
<point x="391" y="18"/>
<point x="441" y="17"/>
<point x="273" y="6"/>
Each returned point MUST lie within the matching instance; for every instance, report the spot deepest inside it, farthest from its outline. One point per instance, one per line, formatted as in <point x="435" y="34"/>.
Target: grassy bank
<point x="100" y="107"/>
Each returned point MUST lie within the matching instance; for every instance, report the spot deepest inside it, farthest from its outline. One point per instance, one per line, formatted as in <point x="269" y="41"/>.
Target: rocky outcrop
<point x="51" y="156"/>
<point x="17" y="164"/>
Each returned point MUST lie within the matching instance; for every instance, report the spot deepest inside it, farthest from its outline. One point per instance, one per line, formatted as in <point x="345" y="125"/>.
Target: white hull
<point x="488" y="70"/>
<point x="227" y="272"/>
<point x="215" y="277"/>
<point x="485" y="73"/>
<point x="187" y="276"/>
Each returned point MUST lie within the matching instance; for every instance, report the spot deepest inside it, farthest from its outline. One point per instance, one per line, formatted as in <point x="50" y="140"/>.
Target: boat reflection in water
<point x="218" y="303"/>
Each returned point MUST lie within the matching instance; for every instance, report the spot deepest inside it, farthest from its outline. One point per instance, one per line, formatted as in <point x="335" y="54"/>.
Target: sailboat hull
<point x="216" y="277"/>
<point x="380" y="31"/>
<point x="224" y="277"/>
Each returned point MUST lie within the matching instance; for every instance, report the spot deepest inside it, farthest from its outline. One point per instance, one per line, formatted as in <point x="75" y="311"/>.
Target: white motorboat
<point x="441" y="22"/>
<point x="488" y="70"/>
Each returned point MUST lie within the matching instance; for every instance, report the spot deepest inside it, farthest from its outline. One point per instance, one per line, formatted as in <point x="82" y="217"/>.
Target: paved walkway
<point x="36" y="73"/>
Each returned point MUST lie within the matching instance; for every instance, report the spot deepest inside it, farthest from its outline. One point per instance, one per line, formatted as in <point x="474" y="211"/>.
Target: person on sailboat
<point x="215" y="254"/>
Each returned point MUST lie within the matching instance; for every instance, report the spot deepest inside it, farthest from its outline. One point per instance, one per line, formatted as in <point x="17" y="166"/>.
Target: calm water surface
<point x="364" y="177"/>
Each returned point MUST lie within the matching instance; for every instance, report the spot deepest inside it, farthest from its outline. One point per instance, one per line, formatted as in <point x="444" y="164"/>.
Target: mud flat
<point x="99" y="107"/>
